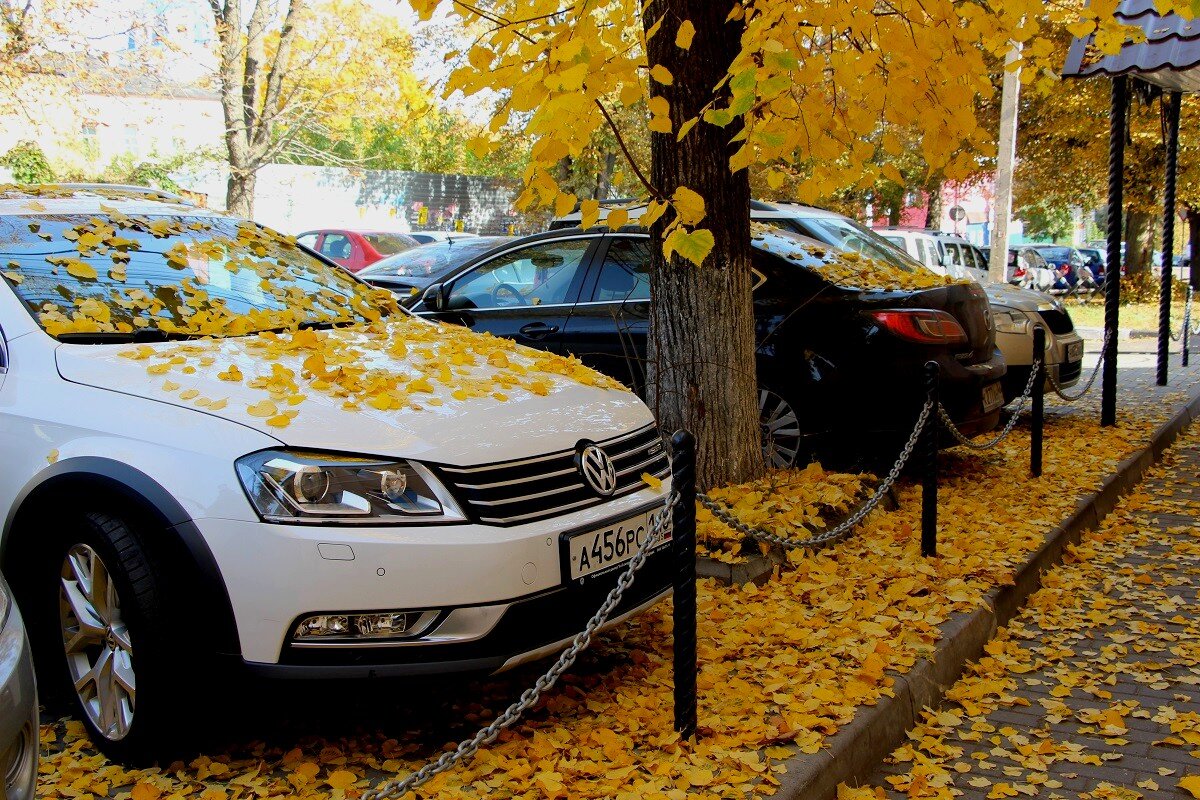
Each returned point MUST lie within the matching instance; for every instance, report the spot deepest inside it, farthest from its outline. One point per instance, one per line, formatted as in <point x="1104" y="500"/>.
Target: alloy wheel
<point x="780" y="429"/>
<point x="96" y="641"/>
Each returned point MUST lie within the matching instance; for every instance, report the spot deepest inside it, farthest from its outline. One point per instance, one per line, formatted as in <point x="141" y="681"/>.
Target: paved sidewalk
<point x="1094" y="689"/>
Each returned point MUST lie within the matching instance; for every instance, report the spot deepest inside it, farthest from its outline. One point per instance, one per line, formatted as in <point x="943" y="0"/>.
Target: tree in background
<point x="253" y="96"/>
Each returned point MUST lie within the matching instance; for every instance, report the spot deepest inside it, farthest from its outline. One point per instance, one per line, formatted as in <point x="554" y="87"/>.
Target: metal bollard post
<point x="929" y="472"/>
<point x="1039" y="402"/>
<point x="683" y="551"/>
<point x="1187" y="323"/>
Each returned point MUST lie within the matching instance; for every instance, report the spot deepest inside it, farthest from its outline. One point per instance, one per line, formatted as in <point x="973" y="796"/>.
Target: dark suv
<point x="831" y="359"/>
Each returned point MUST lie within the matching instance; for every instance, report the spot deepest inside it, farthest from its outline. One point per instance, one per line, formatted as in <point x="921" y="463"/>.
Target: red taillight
<point x="922" y="325"/>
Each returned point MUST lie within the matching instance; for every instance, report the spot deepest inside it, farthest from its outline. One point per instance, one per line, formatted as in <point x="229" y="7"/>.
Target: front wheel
<point x="119" y="654"/>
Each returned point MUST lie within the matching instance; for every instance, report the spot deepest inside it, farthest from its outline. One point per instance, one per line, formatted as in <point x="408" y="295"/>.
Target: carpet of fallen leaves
<point x="782" y="666"/>
<point x="1093" y="691"/>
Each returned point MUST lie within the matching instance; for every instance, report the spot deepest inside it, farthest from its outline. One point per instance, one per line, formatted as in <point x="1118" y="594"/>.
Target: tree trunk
<point x="933" y="207"/>
<point x="702" y="369"/>
<point x="894" y="214"/>
<point x="605" y="176"/>
<point x="1139" y="242"/>
<point x="239" y="192"/>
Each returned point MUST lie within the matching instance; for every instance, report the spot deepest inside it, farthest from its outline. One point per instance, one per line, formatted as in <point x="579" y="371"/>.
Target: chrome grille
<point x="529" y="489"/>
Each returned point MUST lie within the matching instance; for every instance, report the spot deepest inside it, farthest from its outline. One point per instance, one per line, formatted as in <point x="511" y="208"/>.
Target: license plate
<point x="594" y="552"/>
<point x="993" y="397"/>
<point x="1075" y="351"/>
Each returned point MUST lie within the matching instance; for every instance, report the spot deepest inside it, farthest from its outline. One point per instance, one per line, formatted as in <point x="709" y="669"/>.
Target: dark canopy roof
<point x="1170" y="56"/>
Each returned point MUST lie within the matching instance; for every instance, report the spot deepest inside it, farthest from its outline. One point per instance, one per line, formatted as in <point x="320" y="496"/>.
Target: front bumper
<point x="1018" y="352"/>
<point x="18" y="713"/>
<point x="503" y="588"/>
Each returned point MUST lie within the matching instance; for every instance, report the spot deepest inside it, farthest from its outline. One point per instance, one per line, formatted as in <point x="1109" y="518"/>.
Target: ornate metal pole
<point x="929" y="476"/>
<point x="1039" y="402"/>
<point x="1168" y="247"/>
<point x="683" y="548"/>
<point x="1112" y="273"/>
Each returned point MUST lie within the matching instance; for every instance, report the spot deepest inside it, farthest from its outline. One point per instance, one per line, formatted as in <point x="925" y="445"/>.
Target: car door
<point x="527" y="293"/>
<point x="338" y="247"/>
<point x="609" y="327"/>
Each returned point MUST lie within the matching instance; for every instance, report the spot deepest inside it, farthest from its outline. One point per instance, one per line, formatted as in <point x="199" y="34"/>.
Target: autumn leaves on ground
<point x="782" y="666"/>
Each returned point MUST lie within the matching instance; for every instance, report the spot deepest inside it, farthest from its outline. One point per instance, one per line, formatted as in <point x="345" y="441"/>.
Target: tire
<point x="106" y="639"/>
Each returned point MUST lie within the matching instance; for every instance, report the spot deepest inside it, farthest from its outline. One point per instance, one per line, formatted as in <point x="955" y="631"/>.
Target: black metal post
<point x="683" y="550"/>
<point x="929" y="442"/>
<point x="1039" y="402"/>
<point x="1187" y="320"/>
<point x="1112" y="271"/>
<point x="1168" y="247"/>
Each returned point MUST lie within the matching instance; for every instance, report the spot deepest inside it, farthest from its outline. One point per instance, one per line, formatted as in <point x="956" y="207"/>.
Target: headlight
<point x="1011" y="322"/>
<point x="302" y="487"/>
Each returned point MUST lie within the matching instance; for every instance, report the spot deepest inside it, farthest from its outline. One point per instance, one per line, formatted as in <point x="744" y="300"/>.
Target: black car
<point x="831" y="360"/>
<point x="421" y="266"/>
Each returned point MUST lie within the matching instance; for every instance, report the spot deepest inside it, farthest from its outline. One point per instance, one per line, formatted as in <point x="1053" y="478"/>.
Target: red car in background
<point x="356" y="249"/>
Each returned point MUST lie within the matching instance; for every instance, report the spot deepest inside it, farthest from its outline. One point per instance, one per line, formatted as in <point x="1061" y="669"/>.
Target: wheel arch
<point x="126" y="491"/>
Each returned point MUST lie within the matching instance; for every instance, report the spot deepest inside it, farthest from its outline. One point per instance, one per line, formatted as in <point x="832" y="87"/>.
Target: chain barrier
<point x="1071" y="398"/>
<point x="467" y="748"/>
<point x="845" y="526"/>
<point x="1012" y="422"/>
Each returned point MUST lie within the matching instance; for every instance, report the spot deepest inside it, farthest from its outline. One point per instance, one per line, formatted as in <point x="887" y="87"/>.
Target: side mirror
<point x="435" y="297"/>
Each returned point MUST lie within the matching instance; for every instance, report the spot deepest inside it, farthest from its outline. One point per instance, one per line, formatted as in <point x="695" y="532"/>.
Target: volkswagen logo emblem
<point x="597" y="469"/>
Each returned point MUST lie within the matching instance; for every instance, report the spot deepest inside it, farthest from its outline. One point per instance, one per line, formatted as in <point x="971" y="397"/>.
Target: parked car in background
<point x="1029" y="270"/>
<point x="356" y="249"/>
<point x="427" y="237"/>
<point x="18" y="704"/>
<point x="1064" y="260"/>
<point x="1094" y="258"/>
<point x="417" y="268"/>
<point x="918" y="244"/>
<point x="221" y="451"/>
<point x="960" y="255"/>
<point x="836" y="364"/>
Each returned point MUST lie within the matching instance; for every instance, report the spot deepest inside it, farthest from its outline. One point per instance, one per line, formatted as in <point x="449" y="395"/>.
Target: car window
<point x="541" y="274"/>
<point x="194" y="275"/>
<point x="336" y="246"/>
<point x="388" y="244"/>
<point x="309" y="240"/>
<point x="955" y="256"/>
<point x="431" y="261"/>
<point x="898" y="241"/>
<point x="625" y="274"/>
<point x="974" y="254"/>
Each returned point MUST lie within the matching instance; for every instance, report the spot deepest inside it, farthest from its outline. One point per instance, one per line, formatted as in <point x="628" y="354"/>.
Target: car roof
<point x="22" y="200"/>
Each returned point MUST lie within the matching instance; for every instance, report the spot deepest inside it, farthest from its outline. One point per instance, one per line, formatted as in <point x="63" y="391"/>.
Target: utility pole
<point x="1006" y="155"/>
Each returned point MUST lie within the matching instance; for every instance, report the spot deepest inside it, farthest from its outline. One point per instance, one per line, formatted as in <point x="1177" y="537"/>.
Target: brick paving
<point x="1093" y="691"/>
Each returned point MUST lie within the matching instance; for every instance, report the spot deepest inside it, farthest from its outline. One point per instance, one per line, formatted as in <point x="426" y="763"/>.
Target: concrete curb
<point x="853" y="753"/>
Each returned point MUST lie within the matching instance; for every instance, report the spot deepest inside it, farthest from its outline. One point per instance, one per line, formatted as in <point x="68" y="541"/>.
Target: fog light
<point x="381" y="624"/>
<point x="330" y="628"/>
<point x="323" y="626"/>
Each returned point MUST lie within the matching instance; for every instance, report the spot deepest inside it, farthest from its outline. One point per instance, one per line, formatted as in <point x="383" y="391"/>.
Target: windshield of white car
<point x="172" y="276"/>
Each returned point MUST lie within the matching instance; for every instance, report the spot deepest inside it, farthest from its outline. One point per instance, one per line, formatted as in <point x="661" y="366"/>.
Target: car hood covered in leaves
<point x="404" y="388"/>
